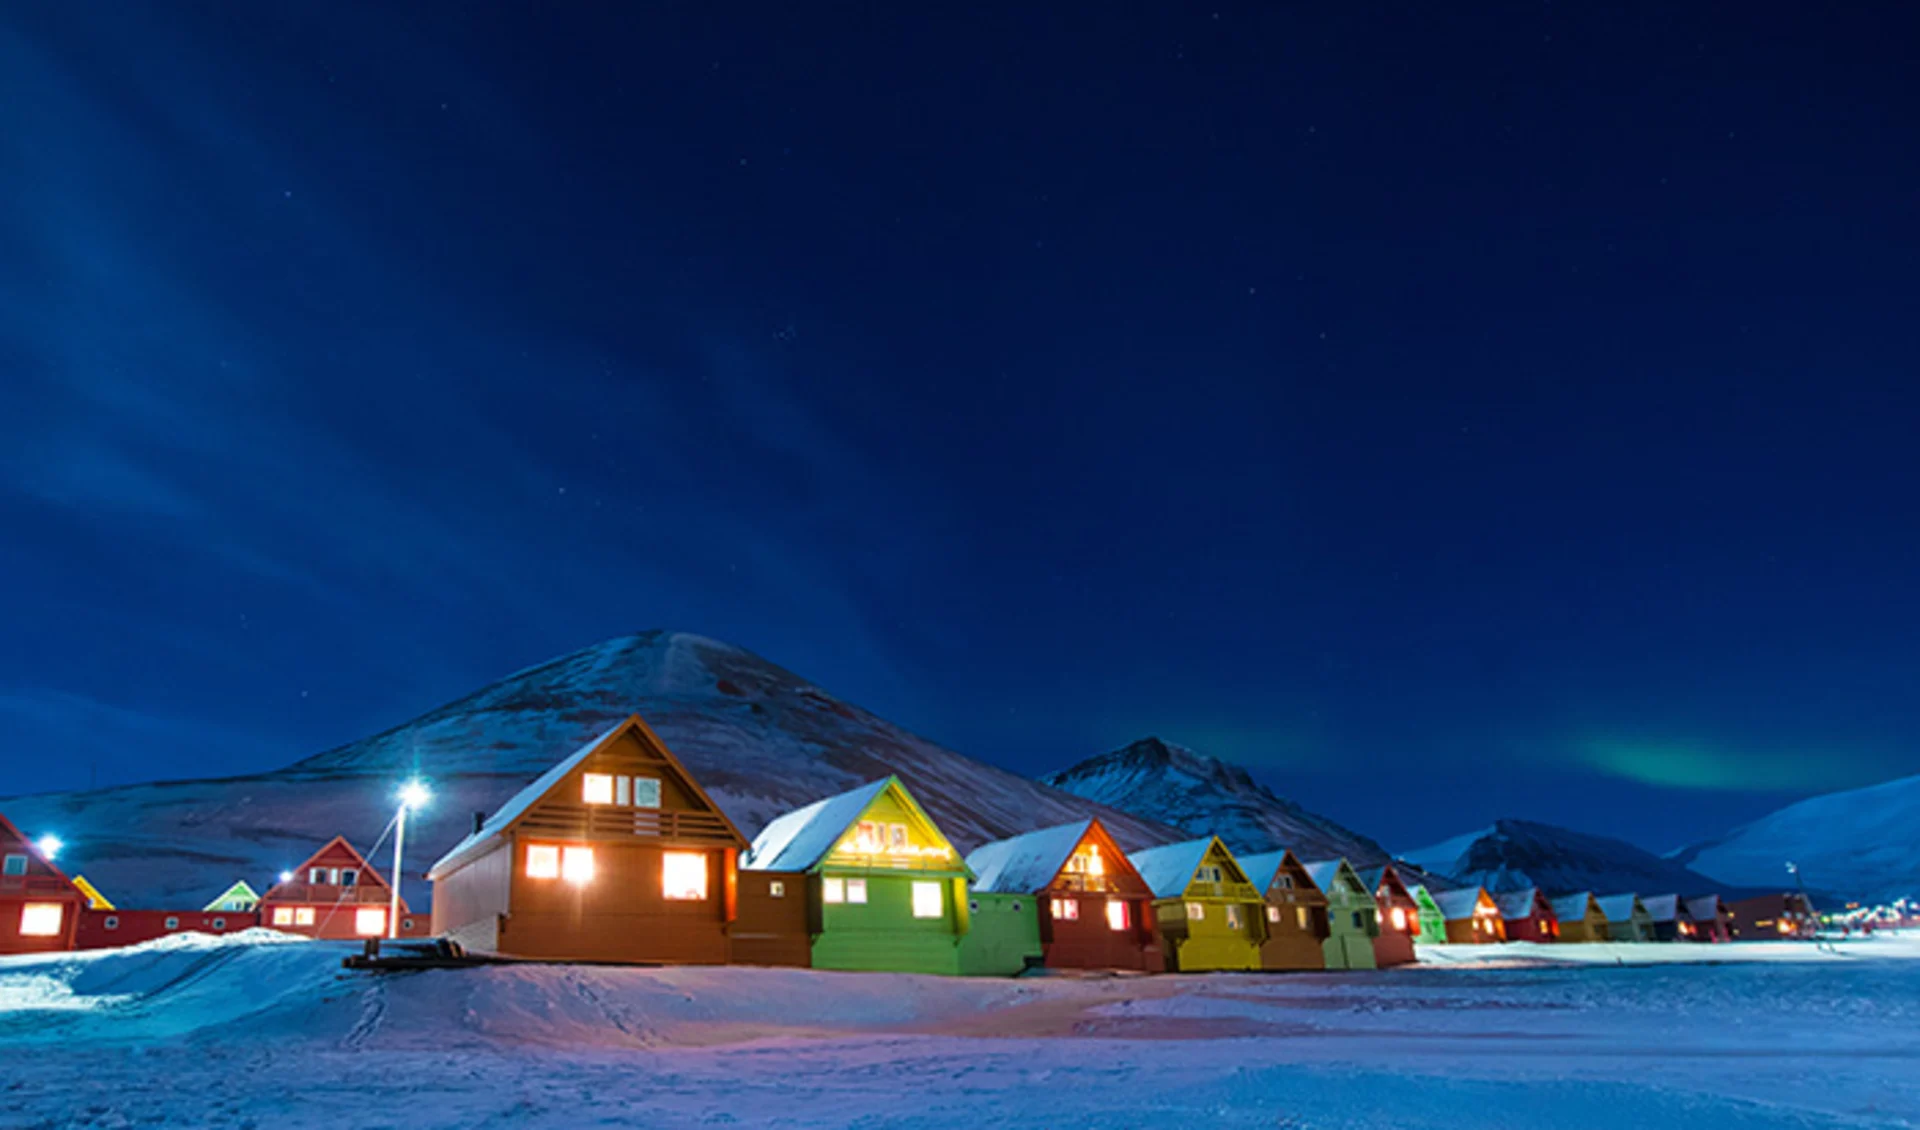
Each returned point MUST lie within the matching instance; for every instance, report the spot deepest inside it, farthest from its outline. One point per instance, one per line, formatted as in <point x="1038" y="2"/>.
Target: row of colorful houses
<point x="616" y="854"/>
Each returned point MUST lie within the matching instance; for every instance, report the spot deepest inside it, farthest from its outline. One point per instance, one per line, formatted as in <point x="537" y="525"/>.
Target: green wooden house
<point x="1003" y="935"/>
<point x="240" y="898"/>
<point x="1433" y="921"/>
<point x="1208" y="913"/>
<point x="1353" y="918"/>
<point x="886" y="891"/>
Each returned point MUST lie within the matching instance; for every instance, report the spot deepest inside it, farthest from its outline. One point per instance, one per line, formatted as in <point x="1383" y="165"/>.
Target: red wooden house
<point x="107" y="927"/>
<point x="614" y="854"/>
<point x="1528" y="915"/>
<point x="1095" y="910"/>
<point x="336" y="894"/>
<point x="1399" y="916"/>
<point x="1707" y="920"/>
<point x="39" y="906"/>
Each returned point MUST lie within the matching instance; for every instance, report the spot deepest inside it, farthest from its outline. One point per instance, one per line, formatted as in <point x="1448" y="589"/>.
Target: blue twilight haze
<point x="1448" y="412"/>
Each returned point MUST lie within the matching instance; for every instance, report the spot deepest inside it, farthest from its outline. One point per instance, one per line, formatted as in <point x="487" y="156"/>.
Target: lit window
<point x="1095" y="865"/>
<point x="1306" y="920"/>
<point x="317" y="876"/>
<point x="833" y="890"/>
<point x="683" y="875"/>
<point x="41" y="920"/>
<point x="303" y="916"/>
<point x="1273" y="914"/>
<point x="1233" y="916"/>
<point x="866" y="838"/>
<point x="857" y="890"/>
<point x="283" y="916"/>
<point x="16" y="865"/>
<point x="596" y="788"/>
<point x="543" y="861"/>
<point x="370" y="921"/>
<point x="576" y="864"/>
<point x="623" y="791"/>
<point x="776" y="889"/>
<point x="349" y="877"/>
<point x="897" y="836"/>
<point x="1069" y="910"/>
<point x="646" y="792"/>
<point x="1196" y="911"/>
<point x="1399" y="918"/>
<point x="1117" y="915"/>
<point x="927" y="902"/>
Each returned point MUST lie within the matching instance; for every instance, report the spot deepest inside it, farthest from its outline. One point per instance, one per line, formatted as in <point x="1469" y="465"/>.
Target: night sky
<point x="1448" y="412"/>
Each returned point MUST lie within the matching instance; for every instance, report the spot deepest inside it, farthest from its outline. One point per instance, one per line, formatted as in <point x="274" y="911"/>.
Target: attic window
<point x="16" y="864"/>
<point x="646" y="792"/>
<point x="1284" y="882"/>
<point x="596" y="788"/>
<point x="349" y="877"/>
<point x="41" y="919"/>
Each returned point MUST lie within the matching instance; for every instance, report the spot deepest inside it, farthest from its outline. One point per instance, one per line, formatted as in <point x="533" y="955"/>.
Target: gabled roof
<point x="1568" y="907"/>
<point x="802" y="839"/>
<point x="1326" y="873"/>
<point x="369" y="875"/>
<point x="1705" y="907"/>
<point x="1459" y="904"/>
<point x="9" y="833"/>
<point x="1663" y="908"/>
<point x="241" y="891"/>
<point x="1517" y="904"/>
<point x="1619" y="908"/>
<point x="1168" y="869"/>
<point x="518" y="804"/>
<point x="1262" y="869"/>
<point x="1026" y="863"/>
<point x="1385" y="874"/>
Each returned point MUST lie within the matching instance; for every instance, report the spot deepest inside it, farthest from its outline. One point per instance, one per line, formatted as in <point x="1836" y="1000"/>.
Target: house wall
<point x="1003" y="935"/>
<point x="1090" y="942"/>
<point x="770" y="928"/>
<point x="621" y="914"/>
<point x="1351" y="926"/>
<point x="1212" y="941"/>
<point x="1590" y="928"/>
<point x="105" y="929"/>
<point x="1296" y="933"/>
<point x="1463" y="931"/>
<point x="469" y="901"/>
<point x="1540" y="926"/>
<point x="882" y="934"/>
<point x="13" y="905"/>
<point x="1393" y="945"/>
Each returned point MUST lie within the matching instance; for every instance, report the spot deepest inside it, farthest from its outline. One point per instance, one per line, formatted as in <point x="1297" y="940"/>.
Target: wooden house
<point x="1208" y="914"/>
<point x="1627" y="918"/>
<point x="237" y="899"/>
<point x="1094" y="911"/>
<point x="1297" y="925"/>
<point x="1788" y="914"/>
<point x="39" y="906"/>
<point x="1399" y="916"/>
<point x="1707" y="920"/>
<point x="1432" y="921"/>
<point x="614" y="854"/>
<point x="1527" y="916"/>
<point x="111" y="927"/>
<point x="771" y="927"/>
<point x="1580" y="917"/>
<point x="1472" y="916"/>
<point x="1668" y="916"/>
<point x="885" y="889"/>
<point x="335" y="894"/>
<point x="1353" y="918"/>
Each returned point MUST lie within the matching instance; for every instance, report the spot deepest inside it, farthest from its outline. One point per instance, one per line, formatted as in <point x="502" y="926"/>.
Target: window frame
<point x="696" y="859"/>
<point x="937" y="889"/>
<point x="32" y="920"/>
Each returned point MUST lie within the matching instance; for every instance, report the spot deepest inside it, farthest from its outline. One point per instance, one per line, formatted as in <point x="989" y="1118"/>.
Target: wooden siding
<point x="1089" y="941"/>
<point x="1297" y="925"/>
<point x="772" y="929"/>
<point x="469" y="903"/>
<point x="1003" y="935"/>
<point x="107" y="928"/>
<point x="882" y="934"/>
<point x="621" y="914"/>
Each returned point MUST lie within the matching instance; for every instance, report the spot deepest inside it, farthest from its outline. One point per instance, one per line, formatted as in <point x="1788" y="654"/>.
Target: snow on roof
<point x="1325" y="873"/>
<point x="1026" y="863"/>
<point x="1705" y="906"/>
<point x="1262" y="868"/>
<point x="1663" y="908"/>
<point x="524" y="799"/>
<point x="1618" y="908"/>
<point x="802" y="838"/>
<point x="1458" y="904"/>
<point x="1571" y="906"/>
<point x="1168" y="869"/>
<point x="1516" y="904"/>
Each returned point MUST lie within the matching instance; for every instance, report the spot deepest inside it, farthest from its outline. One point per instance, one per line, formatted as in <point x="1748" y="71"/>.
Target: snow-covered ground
<point x="247" y="1033"/>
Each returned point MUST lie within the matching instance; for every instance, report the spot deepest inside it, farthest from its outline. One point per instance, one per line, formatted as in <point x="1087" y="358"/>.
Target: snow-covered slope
<point x="1174" y="785"/>
<point x="1860" y="844"/>
<point x="760" y="738"/>
<point x="1515" y="854"/>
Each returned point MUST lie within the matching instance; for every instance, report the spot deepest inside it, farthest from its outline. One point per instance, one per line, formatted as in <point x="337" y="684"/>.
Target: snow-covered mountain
<point x="760" y="738"/>
<point x="1171" y="784"/>
<point x="1513" y="855"/>
<point x="1860" y="844"/>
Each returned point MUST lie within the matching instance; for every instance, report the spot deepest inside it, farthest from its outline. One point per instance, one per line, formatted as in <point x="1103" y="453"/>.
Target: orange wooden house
<point x="1095" y="910"/>
<point x="336" y="894"/>
<point x="614" y="854"/>
<point x="39" y="906"/>
<point x="1297" y="924"/>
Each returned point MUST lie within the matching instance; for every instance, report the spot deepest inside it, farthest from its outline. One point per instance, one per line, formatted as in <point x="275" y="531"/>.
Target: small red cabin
<point x="39" y="906"/>
<point x="1707" y="920"/>
<point x="1399" y="916"/>
<point x="336" y="894"/>
<point x="1528" y="915"/>
<point x="1095" y="910"/>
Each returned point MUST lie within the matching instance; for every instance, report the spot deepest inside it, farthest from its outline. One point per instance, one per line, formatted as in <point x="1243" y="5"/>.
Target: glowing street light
<point x="414" y="796"/>
<point x="286" y="876"/>
<point x="49" y="846"/>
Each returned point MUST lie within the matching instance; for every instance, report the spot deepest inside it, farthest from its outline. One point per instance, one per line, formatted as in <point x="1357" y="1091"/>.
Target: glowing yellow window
<point x="1273" y="914"/>
<point x="576" y="864"/>
<point x="370" y="921"/>
<point x="857" y="890"/>
<point x="41" y="920"/>
<point x="833" y="890"/>
<point x="543" y="861"/>
<point x="283" y="916"/>
<point x="1196" y="911"/>
<point x="1399" y="918"/>
<point x="683" y="875"/>
<point x="303" y="916"/>
<point x="596" y="788"/>
<point x="1068" y="909"/>
<point x="1117" y="915"/>
<point x="927" y="901"/>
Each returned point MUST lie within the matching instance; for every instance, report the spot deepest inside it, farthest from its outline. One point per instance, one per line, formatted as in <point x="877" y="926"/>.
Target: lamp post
<point x="413" y="795"/>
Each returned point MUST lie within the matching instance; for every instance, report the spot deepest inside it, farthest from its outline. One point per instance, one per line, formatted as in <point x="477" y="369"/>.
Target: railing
<point x="35" y="885"/>
<point x="609" y="822"/>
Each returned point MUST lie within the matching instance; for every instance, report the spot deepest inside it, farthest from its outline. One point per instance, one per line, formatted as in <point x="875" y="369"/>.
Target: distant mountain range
<point x="1863" y="844"/>
<point x="1513" y="855"/>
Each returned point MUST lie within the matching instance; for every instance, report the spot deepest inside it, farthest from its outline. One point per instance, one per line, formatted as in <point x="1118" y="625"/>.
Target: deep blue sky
<point x="1448" y="412"/>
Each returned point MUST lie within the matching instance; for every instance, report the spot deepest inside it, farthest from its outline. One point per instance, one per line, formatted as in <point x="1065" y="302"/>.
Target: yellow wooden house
<point x="1207" y="912"/>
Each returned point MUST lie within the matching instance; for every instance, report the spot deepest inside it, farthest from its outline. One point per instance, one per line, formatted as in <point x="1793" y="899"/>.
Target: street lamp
<point x="49" y="846"/>
<point x="414" y="795"/>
